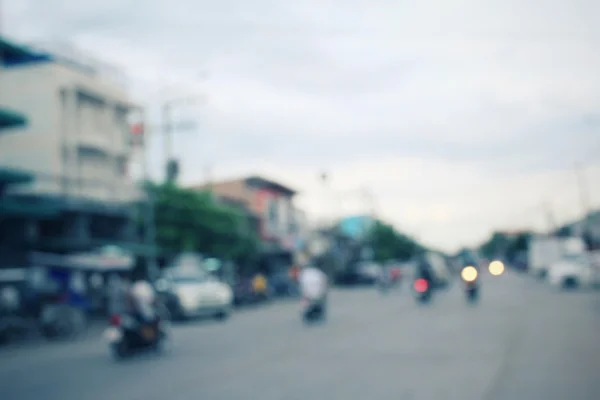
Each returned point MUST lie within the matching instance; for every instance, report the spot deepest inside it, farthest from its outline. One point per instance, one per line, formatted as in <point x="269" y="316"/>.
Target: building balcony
<point x="95" y="143"/>
<point x="80" y="190"/>
<point x="11" y="119"/>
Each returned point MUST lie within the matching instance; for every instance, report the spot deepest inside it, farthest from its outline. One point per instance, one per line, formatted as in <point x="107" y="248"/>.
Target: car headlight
<point x="225" y="295"/>
<point x="186" y="301"/>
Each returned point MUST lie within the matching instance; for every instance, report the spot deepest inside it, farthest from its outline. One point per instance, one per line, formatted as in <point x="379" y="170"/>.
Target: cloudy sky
<point x="459" y="116"/>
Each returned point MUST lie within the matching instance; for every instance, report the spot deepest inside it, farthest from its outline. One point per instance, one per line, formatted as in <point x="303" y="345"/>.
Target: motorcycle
<point x="423" y="290"/>
<point x="128" y="334"/>
<point x="384" y="284"/>
<point x="313" y="310"/>
<point x="469" y="276"/>
<point x="12" y="322"/>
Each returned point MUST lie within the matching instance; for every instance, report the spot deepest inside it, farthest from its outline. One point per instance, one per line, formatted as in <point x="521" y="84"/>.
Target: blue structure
<point x="357" y="226"/>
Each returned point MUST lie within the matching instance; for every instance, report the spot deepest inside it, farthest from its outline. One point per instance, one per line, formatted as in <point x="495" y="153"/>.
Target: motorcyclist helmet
<point x="143" y="291"/>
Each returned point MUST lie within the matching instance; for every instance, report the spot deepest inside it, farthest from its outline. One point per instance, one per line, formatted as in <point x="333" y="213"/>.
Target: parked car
<point x="190" y="294"/>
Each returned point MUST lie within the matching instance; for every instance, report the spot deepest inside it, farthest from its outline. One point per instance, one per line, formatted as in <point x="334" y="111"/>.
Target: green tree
<point x="519" y="245"/>
<point x="501" y="245"/>
<point x="188" y="220"/>
<point x="389" y="244"/>
<point x="496" y="245"/>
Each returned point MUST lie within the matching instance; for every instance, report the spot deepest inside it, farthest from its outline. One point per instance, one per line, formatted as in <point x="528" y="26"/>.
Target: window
<point x="122" y="167"/>
<point x="576" y="258"/>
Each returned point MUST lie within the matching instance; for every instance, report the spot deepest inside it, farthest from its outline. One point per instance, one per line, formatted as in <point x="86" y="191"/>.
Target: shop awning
<point x="82" y="244"/>
<point x="11" y="119"/>
<point x="12" y="207"/>
<point x="12" y="176"/>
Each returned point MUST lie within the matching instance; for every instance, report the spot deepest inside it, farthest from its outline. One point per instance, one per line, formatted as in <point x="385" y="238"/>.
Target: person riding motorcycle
<point x="314" y="285"/>
<point x="424" y="269"/>
<point x="143" y="301"/>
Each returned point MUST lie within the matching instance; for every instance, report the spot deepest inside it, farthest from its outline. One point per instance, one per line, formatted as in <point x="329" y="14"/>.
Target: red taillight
<point x="60" y="298"/>
<point x="421" y="285"/>
<point x="115" y="320"/>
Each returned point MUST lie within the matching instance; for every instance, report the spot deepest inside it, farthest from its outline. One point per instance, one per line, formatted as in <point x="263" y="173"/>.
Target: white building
<point x="77" y="140"/>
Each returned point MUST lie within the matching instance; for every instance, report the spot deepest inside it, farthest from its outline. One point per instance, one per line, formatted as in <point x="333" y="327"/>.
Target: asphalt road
<point x="523" y="341"/>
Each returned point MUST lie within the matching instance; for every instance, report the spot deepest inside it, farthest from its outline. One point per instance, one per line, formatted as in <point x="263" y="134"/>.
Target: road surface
<point x="523" y="341"/>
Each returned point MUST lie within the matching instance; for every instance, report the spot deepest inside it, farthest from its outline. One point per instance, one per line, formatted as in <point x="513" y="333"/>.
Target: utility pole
<point x="584" y="198"/>
<point x="547" y="207"/>
<point x="148" y="216"/>
<point x="208" y="176"/>
<point x="327" y="197"/>
<point x="584" y="194"/>
<point x="168" y="127"/>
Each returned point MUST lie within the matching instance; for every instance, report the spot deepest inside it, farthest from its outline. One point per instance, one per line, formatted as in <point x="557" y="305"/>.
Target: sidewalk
<point x="33" y="336"/>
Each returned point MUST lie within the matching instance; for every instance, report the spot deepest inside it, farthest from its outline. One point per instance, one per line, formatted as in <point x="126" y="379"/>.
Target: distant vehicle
<point x="282" y="285"/>
<point x="393" y="269"/>
<point x="368" y="273"/>
<point x="546" y="251"/>
<point x="469" y="276"/>
<point x="422" y="290"/>
<point x="313" y="310"/>
<point x="440" y="269"/>
<point x="574" y="271"/>
<point x="195" y="293"/>
<point x="127" y="335"/>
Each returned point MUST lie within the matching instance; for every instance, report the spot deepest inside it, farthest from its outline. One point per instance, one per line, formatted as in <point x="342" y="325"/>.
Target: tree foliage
<point x="500" y="245"/>
<point x="188" y="220"/>
<point x="389" y="244"/>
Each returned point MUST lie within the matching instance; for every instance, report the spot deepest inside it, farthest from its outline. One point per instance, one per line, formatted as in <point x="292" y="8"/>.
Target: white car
<point x="195" y="294"/>
<point x="572" y="271"/>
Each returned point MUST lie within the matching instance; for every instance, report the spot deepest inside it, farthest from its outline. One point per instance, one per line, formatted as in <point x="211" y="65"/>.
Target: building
<point x="75" y="146"/>
<point x="11" y="209"/>
<point x="78" y="140"/>
<point x="270" y="205"/>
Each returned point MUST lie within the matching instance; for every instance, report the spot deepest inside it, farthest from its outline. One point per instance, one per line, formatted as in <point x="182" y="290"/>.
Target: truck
<point x="544" y="251"/>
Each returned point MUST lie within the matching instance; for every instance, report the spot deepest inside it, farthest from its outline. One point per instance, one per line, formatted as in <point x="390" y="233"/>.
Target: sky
<point x="458" y="117"/>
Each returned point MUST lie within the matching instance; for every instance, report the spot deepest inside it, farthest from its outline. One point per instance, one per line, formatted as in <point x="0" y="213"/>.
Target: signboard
<point x="108" y="257"/>
<point x="136" y="137"/>
<point x="356" y="227"/>
<point x="212" y="264"/>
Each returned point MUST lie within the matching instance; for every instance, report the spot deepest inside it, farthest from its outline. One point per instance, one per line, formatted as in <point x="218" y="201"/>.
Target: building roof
<point x="263" y="182"/>
<point x="10" y="206"/>
<point x="252" y="180"/>
<point x="12" y="176"/>
<point x="12" y="53"/>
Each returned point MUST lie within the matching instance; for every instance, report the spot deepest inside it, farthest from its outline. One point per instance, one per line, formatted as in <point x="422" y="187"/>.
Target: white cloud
<point x="456" y="115"/>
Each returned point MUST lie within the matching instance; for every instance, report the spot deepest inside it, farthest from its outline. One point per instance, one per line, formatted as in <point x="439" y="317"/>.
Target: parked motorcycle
<point x="469" y="276"/>
<point x="384" y="283"/>
<point x="422" y="290"/>
<point x="61" y="321"/>
<point x="128" y="334"/>
<point x="12" y="322"/>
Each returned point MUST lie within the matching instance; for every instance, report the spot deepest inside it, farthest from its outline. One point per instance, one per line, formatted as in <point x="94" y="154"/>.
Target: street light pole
<point x="139" y="141"/>
<point x="171" y="164"/>
<point x="167" y="129"/>
<point x="584" y="196"/>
